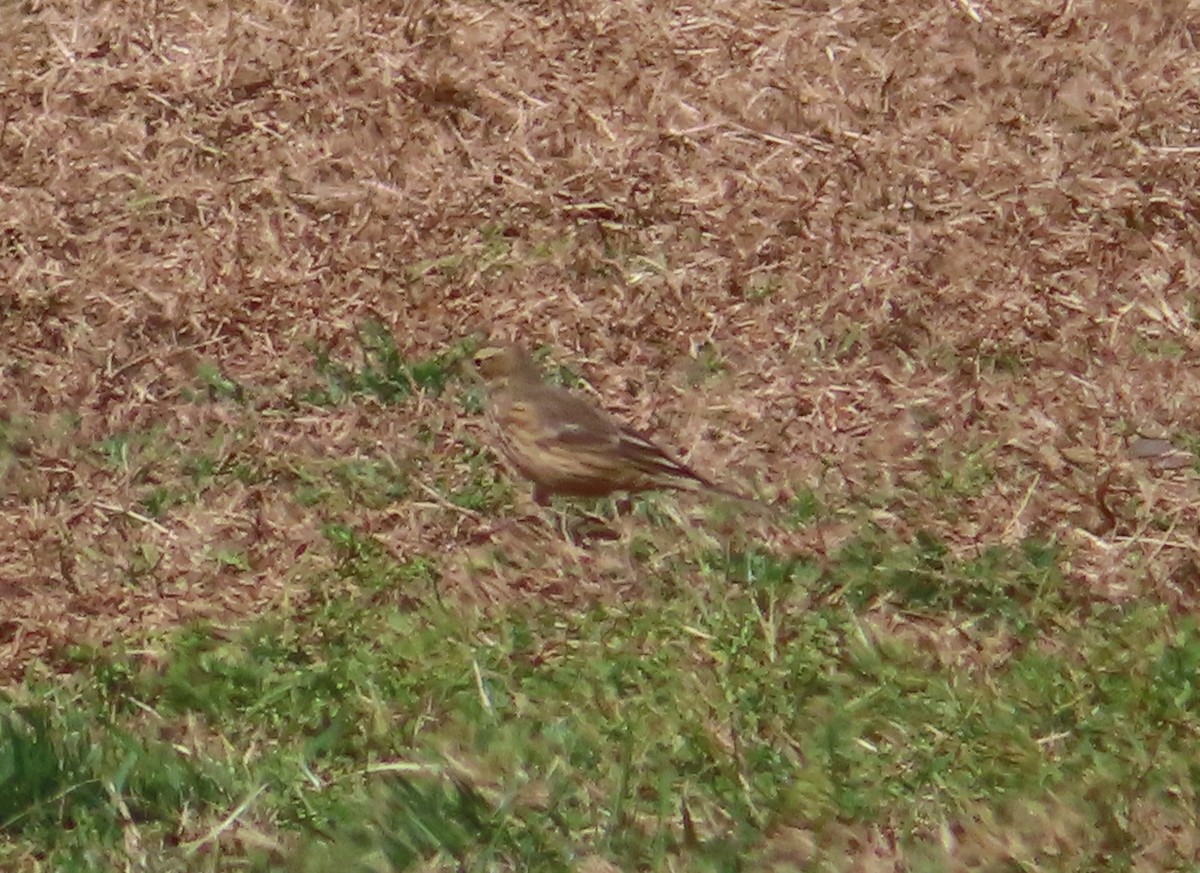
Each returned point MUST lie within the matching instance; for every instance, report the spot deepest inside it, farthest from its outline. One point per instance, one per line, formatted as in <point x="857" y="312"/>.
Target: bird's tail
<point x="665" y="471"/>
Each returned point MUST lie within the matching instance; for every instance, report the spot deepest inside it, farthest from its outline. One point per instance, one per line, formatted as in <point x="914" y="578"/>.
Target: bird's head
<point x="502" y="362"/>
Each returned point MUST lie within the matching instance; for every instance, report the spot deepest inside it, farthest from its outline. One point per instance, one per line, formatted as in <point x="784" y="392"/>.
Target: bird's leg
<point x="542" y="498"/>
<point x="592" y="528"/>
<point x="595" y="525"/>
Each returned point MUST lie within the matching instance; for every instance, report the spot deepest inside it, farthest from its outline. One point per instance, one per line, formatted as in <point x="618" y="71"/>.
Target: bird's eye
<point x="484" y="361"/>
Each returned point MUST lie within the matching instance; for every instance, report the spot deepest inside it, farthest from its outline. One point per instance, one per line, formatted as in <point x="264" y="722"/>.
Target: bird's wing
<point x="644" y="454"/>
<point x="570" y="421"/>
<point x="580" y="426"/>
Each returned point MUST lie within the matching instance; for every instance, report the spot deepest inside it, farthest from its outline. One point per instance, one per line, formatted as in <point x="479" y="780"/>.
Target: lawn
<point x="920" y="276"/>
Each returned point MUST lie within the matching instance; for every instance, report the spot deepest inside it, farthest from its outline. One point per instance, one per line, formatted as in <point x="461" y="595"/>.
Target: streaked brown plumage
<point x="566" y="446"/>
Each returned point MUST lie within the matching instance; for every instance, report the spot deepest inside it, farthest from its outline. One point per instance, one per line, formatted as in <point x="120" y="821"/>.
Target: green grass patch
<point x="216" y="385"/>
<point x="482" y="489"/>
<point x="378" y="727"/>
<point x="383" y="371"/>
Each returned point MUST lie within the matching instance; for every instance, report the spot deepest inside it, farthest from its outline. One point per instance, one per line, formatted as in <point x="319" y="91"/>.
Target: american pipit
<point x="565" y="445"/>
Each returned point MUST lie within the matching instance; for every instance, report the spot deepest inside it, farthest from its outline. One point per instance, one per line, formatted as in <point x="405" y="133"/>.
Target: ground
<point x="920" y="275"/>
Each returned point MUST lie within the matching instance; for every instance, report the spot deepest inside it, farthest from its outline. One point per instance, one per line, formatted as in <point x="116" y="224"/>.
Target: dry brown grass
<point x="928" y="238"/>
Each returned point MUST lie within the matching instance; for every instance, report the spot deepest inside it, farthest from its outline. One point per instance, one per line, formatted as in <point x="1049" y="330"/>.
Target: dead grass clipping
<point x="939" y="246"/>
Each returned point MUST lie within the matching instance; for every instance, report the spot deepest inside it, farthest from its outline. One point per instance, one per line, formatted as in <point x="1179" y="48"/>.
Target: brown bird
<point x="565" y="445"/>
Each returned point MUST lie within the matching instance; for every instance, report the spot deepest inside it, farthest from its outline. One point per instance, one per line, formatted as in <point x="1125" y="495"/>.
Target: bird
<point x="565" y="445"/>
